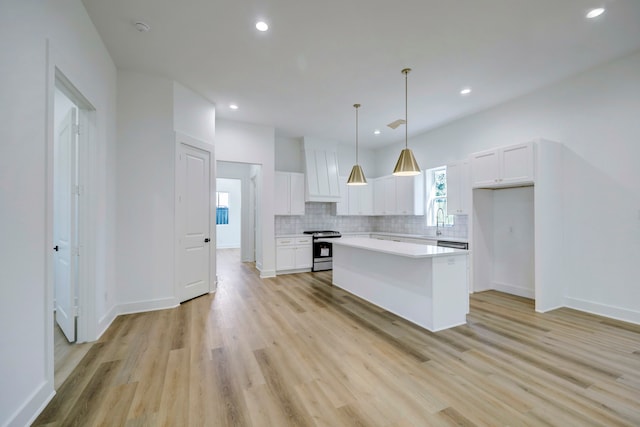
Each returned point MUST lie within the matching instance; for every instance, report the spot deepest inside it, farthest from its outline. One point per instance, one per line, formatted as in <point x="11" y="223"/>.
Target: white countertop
<point x="411" y="250"/>
<point x="384" y="233"/>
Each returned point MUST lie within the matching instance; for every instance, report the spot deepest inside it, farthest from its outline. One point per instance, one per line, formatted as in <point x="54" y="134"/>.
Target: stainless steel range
<point x="323" y="249"/>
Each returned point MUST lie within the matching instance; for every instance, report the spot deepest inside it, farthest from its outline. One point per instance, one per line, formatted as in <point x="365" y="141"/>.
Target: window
<point x="222" y="207"/>
<point x="437" y="197"/>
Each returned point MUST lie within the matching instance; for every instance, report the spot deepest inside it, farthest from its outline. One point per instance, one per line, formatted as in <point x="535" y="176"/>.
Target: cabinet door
<point x="365" y="200"/>
<point x="390" y="203"/>
<point x="360" y="200"/>
<point x="296" y="190"/>
<point x="517" y="164"/>
<point x="285" y="258"/>
<point x="342" y="206"/>
<point x="304" y="256"/>
<point x="282" y="205"/>
<point x="458" y="188"/>
<point x="485" y="169"/>
<point x="378" y="197"/>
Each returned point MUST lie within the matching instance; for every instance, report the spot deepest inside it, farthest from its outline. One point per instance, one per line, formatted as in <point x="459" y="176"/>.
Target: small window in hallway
<point x="222" y="208"/>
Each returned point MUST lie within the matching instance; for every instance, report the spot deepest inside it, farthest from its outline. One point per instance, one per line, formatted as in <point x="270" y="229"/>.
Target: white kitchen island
<point x="427" y="285"/>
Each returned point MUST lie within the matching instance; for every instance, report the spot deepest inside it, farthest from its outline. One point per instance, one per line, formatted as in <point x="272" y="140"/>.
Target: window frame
<point x="431" y="199"/>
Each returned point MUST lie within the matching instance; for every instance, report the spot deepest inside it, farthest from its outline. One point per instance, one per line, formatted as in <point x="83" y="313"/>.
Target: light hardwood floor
<point x="66" y="355"/>
<point x="295" y="351"/>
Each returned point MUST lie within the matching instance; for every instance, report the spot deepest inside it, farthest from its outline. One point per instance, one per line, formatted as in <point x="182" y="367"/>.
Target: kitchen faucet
<point x="438" y="232"/>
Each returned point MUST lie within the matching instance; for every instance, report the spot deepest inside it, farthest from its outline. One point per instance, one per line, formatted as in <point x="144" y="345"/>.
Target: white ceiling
<point x="320" y="57"/>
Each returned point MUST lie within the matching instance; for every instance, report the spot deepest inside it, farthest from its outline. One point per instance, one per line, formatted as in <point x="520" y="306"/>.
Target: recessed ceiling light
<point x="465" y="91"/>
<point x="376" y="132"/>
<point x="262" y="26"/>
<point x="143" y="27"/>
<point x="233" y="106"/>
<point x="594" y="13"/>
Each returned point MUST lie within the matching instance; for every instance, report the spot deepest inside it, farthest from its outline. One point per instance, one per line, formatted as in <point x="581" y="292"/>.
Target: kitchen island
<point x="425" y="284"/>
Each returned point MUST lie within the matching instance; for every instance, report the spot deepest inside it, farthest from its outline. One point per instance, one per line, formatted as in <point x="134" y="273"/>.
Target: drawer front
<point x="285" y="241"/>
<point x="303" y="240"/>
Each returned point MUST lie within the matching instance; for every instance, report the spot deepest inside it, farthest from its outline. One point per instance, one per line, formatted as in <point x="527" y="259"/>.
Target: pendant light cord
<point x="406" y="108"/>
<point x="356" y="106"/>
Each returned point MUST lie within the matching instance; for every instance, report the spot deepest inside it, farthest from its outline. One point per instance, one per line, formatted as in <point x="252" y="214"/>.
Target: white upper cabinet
<point x="355" y="199"/>
<point x="395" y="195"/>
<point x="409" y="195"/>
<point x="321" y="161"/>
<point x="384" y="196"/>
<point x="289" y="193"/>
<point x="342" y="206"/>
<point x="503" y="167"/>
<point x="360" y="199"/>
<point x="458" y="188"/>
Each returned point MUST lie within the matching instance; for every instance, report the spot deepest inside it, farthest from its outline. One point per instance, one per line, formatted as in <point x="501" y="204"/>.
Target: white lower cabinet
<point x="293" y="254"/>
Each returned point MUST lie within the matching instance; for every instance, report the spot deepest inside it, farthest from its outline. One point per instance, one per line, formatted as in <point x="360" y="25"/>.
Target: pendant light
<point x="406" y="165"/>
<point x="356" y="177"/>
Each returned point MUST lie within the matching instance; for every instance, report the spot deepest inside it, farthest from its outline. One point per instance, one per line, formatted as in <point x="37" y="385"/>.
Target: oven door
<point x="322" y="256"/>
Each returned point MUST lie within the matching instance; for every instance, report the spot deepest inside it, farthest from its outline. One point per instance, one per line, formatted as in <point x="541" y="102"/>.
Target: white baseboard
<point x="513" y="290"/>
<point x="151" y="305"/>
<point x="599" y="309"/>
<point x="237" y="246"/>
<point x="105" y="321"/>
<point x="32" y="407"/>
<point x="266" y="274"/>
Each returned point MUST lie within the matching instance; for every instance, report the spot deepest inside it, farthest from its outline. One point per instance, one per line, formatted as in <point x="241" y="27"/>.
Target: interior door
<point x="194" y="208"/>
<point x="64" y="224"/>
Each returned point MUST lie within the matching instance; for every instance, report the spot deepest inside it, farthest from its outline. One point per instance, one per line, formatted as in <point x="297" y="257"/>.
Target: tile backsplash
<point x="322" y="216"/>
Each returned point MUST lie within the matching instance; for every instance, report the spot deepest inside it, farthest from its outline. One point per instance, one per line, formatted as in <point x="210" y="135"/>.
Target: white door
<point x="64" y="224"/>
<point x="194" y="210"/>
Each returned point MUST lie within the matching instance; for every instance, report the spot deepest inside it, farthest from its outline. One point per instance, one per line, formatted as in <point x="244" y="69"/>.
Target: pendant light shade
<point x="356" y="177"/>
<point x="406" y="165"/>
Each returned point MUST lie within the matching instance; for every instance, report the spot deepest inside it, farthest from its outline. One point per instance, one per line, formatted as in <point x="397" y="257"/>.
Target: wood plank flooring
<point x="295" y="351"/>
<point x="66" y="356"/>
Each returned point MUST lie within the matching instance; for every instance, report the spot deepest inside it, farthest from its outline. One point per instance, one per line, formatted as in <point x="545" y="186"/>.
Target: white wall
<point x="248" y="143"/>
<point x="513" y="241"/>
<point x="150" y="111"/>
<point x="366" y="159"/>
<point x="26" y="368"/>
<point x="193" y="115"/>
<point x="594" y="115"/>
<point x="289" y="155"/>
<point x="146" y="151"/>
<point x="228" y="235"/>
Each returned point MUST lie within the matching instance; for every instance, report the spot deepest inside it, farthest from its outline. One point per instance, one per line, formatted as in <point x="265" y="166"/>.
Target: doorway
<point x="72" y="118"/>
<point x="247" y="176"/>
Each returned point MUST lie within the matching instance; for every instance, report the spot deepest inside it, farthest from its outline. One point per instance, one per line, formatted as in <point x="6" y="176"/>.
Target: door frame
<point x="59" y="74"/>
<point x="181" y="139"/>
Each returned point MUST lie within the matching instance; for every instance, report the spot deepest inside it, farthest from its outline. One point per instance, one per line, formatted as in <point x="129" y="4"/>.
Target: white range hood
<point x="321" y="170"/>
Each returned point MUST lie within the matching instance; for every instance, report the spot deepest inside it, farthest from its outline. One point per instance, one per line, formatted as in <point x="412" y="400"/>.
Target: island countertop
<point x="405" y="249"/>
